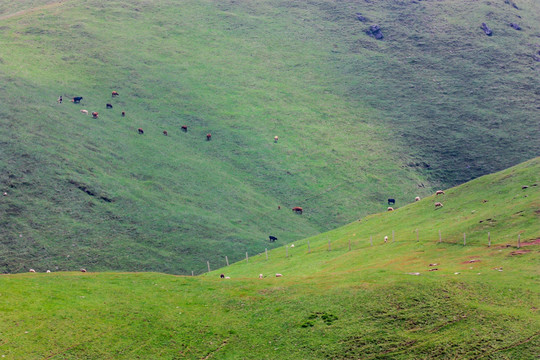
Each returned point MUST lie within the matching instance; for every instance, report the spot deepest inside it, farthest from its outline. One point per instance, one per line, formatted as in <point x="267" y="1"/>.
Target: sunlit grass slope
<point x="337" y="304"/>
<point x="359" y="121"/>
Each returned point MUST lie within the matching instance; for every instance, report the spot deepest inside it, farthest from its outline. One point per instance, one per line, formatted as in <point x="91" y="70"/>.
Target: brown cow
<point x="184" y="128"/>
<point x="123" y="113"/>
<point x="438" y="204"/>
<point x="439" y="192"/>
<point x="165" y="133"/>
<point x="114" y="93"/>
<point x="95" y="114"/>
<point x="390" y="208"/>
<point x="208" y="137"/>
<point x="140" y="131"/>
<point x="297" y="209"/>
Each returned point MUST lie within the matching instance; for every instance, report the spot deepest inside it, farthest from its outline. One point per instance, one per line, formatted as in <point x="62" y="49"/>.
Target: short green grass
<point x="337" y="304"/>
<point x="359" y="121"/>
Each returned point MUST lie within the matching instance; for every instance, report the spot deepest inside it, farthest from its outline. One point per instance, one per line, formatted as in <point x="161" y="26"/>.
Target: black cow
<point x="272" y="238"/>
<point x="109" y="106"/>
<point x="77" y="99"/>
<point x="391" y="201"/>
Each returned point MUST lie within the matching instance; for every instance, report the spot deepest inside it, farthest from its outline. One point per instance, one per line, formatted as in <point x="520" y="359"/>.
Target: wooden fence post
<point x="464" y="239"/>
<point x="191" y="272"/>
<point x="208" y="263"/>
<point x="227" y="260"/>
<point x="519" y="241"/>
<point x="266" y="252"/>
<point x="440" y="238"/>
<point x="489" y="239"/>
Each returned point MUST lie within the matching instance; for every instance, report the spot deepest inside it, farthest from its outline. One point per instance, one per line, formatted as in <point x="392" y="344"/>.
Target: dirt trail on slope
<point x="32" y="10"/>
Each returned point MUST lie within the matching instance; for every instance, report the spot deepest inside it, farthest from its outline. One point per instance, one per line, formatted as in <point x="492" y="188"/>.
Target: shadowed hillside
<point x="359" y="121"/>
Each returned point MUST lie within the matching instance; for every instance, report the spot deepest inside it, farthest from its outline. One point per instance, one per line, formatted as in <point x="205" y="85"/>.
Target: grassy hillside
<point x="338" y="304"/>
<point x="359" y="121"/>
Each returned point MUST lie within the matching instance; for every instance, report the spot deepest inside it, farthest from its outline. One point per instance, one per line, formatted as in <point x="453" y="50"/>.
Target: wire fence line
<point x="357" y="244"/>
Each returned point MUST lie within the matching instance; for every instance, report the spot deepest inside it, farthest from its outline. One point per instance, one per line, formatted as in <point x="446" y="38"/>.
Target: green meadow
<point x="352" y="300"/>
<point x="434" y="104"/>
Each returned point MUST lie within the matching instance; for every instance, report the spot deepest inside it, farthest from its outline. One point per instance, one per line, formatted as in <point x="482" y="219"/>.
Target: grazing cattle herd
<point x="184" y="128"/>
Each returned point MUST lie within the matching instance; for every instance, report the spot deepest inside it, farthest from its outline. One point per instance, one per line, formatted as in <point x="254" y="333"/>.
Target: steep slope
<point x="92" y="193"/>
<point x="482" y="302"/>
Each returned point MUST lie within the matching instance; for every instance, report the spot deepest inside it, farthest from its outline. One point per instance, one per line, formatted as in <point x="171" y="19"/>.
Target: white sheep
<point x="48" y="271"/>
<point x="292" y="245"/>
<point x="85" y="112"/>
<point x="439" y="192"/>
<point x="279" y="275"/>
<point x="386" y="239"/>
<point x="32" y="270"/>
<point x="261" y="276"/>
<point x="227" y="277"/>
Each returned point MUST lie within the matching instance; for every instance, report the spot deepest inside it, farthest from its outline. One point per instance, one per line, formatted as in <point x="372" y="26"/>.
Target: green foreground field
<point x="330" y="303"/>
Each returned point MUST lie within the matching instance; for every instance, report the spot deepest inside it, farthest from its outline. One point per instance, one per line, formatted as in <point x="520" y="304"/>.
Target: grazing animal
<point x="85" y="112"/>
<point x="439" y="192"/>
<point x="279" y="275"/>
<point x="386" y="239"/>
<point x="140" y="131"/>
<point x="5" y="193"/>
<point x="59" y="99"/>
<point x="438" y="204"/>
<point x="83" y="270"/>
<point x="208" y="137"/>
<point x="417" y="198"/>
<point x="123" y="113"/>
<point x="292" y="245"/>
<point x="32" y="270"/>
<point x="279" y="207"/>
<point x="391" y="201"/>
<point x="222" y="276"/>
<point x="390" y="209"/>
<point x="275" y="139"/>
<point x="272" y="238"/>
<point x="48" y="271"/>
<point x="165" y="133"/>
<point x="95" y="114"/>
<point x="109" y="106"/>
<point x="184" y="128"/>
<point x="114" y="93"/>
<point x="297" y="209"/>
<point x="261" y="276"/>
<point x="76" y="99"/>
<point x="227" y="277"/>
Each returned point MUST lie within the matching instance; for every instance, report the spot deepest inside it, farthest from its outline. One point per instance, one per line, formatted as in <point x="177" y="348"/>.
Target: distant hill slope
<point x="377" y="301"/>
<point x="353" y="131"/>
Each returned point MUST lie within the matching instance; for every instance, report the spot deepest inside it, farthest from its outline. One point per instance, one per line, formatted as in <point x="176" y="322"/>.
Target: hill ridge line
<point x="32" y="10"/>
